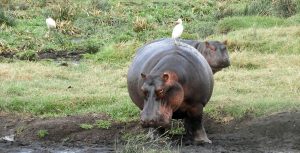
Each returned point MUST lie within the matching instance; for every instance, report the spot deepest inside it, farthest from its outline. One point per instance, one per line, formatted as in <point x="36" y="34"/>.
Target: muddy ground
<point x="74" y="55"/>
<point x="275" y="133"/>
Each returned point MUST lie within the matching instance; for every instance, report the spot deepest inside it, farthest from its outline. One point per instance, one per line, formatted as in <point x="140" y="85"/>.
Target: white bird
<point x="177" y="31"/>
<point x="51" y="24"/>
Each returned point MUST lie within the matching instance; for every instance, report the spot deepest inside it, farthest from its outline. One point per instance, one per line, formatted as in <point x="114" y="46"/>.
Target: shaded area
<point x="276" y="133"/>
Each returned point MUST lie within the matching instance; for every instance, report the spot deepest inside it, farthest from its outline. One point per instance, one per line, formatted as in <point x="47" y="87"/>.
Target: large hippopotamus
<point x="215" y="52"/>
<point x="171" y="81"/>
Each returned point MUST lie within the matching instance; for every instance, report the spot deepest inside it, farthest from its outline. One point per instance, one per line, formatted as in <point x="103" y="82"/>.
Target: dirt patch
<point x="75" y="55"/>
<point x="7" y="54"/>
<point x="52" y="54"/>
<point x="275" y="133"/>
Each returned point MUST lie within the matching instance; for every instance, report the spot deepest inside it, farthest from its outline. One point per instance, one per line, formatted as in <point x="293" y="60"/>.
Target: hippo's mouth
<point x="161" y="119"/>
<point x="156" y="124"/>
<point x="215" y="69"/>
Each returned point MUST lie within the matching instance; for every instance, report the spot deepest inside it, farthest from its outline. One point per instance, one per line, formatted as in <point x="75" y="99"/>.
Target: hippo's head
<point x="162" y="96"/>
<point x="216" y="54"/>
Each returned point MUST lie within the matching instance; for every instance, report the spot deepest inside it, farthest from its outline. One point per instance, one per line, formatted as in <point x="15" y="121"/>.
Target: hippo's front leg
<point x="194" y="126"/>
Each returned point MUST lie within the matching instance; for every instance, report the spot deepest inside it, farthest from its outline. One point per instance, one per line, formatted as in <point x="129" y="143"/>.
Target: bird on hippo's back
<point x="177" y="31"/>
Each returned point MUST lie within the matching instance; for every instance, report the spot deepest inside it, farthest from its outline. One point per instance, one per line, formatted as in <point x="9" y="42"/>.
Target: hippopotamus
<point x="215" y="52"/>
<point x="167" y="80"/>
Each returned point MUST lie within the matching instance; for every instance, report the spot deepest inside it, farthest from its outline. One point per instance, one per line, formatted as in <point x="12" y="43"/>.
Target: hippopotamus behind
<point x="215" y="52"/>
<point x="171" y="81"/>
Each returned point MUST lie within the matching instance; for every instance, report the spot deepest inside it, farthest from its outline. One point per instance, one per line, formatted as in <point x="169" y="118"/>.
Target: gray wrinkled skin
<point x="186" y="90"/>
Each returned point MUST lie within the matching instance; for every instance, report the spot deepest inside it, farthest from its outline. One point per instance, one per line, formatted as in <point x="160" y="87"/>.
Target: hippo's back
<point x="193" y="71"/>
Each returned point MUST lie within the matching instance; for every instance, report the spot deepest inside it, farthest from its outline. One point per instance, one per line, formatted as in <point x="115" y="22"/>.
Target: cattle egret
<point x="50" y="24"/>
<point x="177" y="31"/>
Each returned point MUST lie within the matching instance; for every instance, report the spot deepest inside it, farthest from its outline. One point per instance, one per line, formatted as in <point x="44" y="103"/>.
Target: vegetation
<point x="42" y="133"/>
<point x="142" y="143"/>
<point x="263" y="41"/>
<point x="86" y="126"/>
<point x="103" y="124"/>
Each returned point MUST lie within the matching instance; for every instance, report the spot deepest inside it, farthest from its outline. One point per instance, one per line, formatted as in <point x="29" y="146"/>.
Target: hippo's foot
<point x="201" y="137"/>
<point x="197" y="141"/>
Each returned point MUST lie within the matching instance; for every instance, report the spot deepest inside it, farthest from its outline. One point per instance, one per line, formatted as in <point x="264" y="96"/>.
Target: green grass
<point x="270" y="87"/>
<point x="263" y="43"/>
<point x="42" y="133"/>
<point x="140" y="142"/>
<point x="276" y="40"/>
<point x="41" y="88"/>
<point x="86" y="126"/>
<point x="241" y="22"/>
<point x="264" y="51"/>
<point x="103" y="124"/>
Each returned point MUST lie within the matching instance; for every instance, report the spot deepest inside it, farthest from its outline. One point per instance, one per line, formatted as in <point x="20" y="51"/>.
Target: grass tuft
<point x="42" y="133"/>
<point x="140" y="24"/>
<point x="139" y="142"/>
<point x="103" y="124"/>
<point x="86" y="126"/>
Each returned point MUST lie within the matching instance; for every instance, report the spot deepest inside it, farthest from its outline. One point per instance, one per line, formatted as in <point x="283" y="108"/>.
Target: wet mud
<point x="274" y="133"/>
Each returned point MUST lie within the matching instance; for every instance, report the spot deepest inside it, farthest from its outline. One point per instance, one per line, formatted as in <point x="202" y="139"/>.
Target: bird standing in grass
<point x="51" y="24"/>
<point x="177" y="31"/>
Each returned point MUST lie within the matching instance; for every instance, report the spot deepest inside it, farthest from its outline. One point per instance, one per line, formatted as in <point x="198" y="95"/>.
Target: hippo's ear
<point x="143" y="75"/>
<point x="225" y="42"/>
<point x="206" y="44"/>
<point x="211" y="47"/>
<point x="165" y="76"/>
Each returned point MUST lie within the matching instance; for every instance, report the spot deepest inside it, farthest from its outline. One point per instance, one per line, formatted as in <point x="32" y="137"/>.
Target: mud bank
<point x="275" y="133"/>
